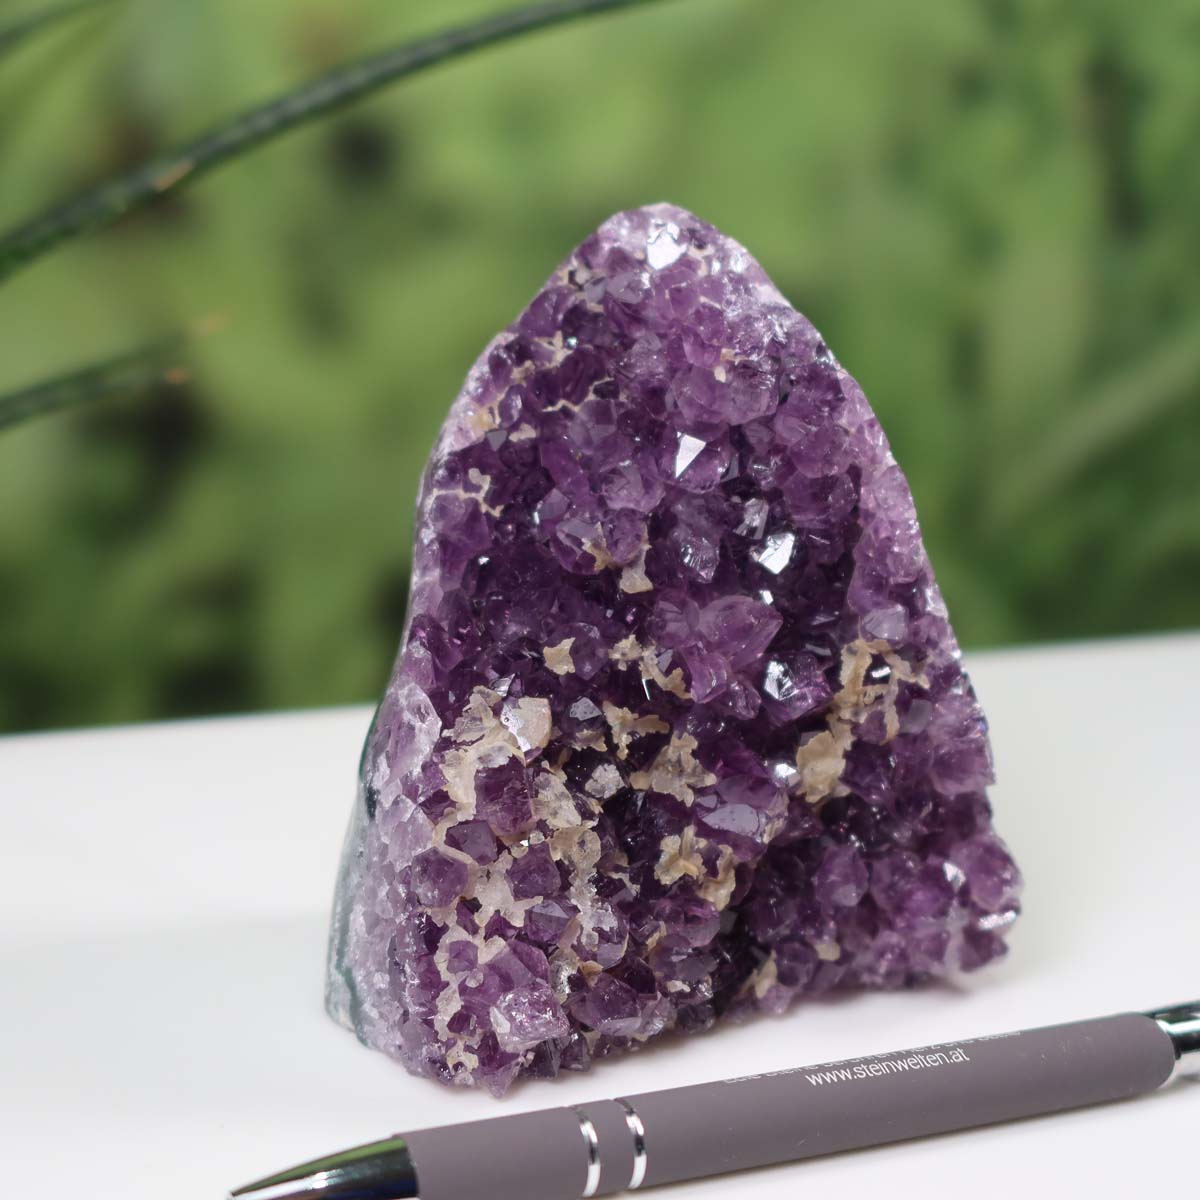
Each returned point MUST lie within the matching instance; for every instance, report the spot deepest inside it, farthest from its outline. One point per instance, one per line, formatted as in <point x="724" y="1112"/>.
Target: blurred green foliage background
<point x="990" y="207"/>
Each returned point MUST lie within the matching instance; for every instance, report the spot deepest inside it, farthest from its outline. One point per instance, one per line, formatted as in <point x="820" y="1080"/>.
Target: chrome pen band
<point x="1181" y="1023"/>
<point x="592" y="1142"/>
<point x="638" y="1132"/>
<point x="609" y="1123"/>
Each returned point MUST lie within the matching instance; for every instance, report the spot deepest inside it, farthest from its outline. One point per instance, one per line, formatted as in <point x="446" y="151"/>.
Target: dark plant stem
<point x="103" y="204"/>
<point x="23" y="28"/>
<point x="135" y="370"/>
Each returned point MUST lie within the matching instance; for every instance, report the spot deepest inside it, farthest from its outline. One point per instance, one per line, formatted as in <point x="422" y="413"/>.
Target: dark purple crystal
<point x="678" y="727"/>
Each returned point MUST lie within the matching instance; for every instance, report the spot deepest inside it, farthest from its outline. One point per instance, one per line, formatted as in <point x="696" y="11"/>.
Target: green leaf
<point x="132" y="371"/>
<point x="103" y="204"/>
<point x="1119" y="409"/>
<point x="23" y="28"/>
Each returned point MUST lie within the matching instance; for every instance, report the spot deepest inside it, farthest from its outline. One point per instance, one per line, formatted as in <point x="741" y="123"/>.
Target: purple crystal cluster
<point x="678" y="728"/>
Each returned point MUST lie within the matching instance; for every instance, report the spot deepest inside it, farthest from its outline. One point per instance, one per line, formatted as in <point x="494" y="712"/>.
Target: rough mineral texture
<point x="678" y="728"/>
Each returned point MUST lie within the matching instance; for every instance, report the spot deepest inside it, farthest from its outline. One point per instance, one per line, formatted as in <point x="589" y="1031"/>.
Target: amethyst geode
<point x="678" y="727"/>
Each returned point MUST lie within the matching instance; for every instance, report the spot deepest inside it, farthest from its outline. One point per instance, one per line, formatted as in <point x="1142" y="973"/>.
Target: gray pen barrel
<point x="528" y="1156"/>
<point x="869" y="1101"/>
<point x="708" y="1129"/>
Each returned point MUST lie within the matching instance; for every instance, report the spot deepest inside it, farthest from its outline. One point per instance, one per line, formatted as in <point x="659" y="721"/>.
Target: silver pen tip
<point x="377" y="1171"/>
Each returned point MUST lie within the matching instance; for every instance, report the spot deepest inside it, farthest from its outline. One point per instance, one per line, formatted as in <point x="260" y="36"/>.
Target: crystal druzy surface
<point x="678" y="728"/>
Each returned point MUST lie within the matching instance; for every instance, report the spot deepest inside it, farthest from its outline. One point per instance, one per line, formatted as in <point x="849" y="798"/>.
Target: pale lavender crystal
<point x="678" y="727"/>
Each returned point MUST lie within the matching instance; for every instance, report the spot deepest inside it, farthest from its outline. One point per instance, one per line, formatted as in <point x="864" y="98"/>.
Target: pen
<point x="706" y="1129"/>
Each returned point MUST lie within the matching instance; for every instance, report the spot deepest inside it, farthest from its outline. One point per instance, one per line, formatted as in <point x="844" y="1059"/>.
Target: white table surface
<point x="163" y="923"/>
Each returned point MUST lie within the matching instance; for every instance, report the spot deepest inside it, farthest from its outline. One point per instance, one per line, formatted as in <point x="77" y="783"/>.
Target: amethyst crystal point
<point x="678" y="727"/>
